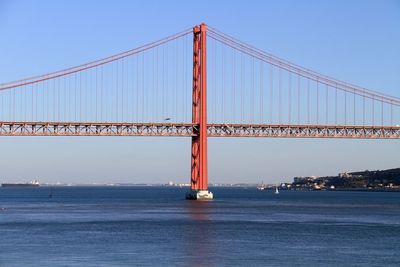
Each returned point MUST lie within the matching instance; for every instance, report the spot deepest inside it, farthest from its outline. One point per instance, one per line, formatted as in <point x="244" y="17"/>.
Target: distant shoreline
<point x="351" y="189"/>
<point x="250" y="186"/>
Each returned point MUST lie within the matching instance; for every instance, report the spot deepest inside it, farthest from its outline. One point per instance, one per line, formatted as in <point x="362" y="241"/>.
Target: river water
<point x="156" y="226"/>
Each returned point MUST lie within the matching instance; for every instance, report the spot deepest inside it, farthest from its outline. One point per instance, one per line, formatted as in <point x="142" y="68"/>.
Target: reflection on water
<point x="199" y="243"/>
<point x="199" y="210"/>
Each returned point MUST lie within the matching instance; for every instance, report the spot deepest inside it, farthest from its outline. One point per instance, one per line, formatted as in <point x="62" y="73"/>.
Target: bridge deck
<point x="189" y="129"/>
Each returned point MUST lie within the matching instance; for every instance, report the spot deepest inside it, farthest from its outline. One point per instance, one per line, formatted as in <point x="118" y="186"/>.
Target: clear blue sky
<point x="357" y="41"/>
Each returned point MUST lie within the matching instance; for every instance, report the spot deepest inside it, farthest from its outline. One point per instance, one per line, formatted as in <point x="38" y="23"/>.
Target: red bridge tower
<point x="199" y="178"/>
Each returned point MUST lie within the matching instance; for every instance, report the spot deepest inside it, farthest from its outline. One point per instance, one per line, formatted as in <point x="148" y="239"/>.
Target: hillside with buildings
<point x="362" y="180"/>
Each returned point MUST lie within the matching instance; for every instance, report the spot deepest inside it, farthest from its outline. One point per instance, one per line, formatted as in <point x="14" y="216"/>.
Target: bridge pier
<point x="199" y="172"/>
<point x="200" y="195"/>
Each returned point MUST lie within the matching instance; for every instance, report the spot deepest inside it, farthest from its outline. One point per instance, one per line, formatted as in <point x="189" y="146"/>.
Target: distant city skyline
<point x="353" y="41"/>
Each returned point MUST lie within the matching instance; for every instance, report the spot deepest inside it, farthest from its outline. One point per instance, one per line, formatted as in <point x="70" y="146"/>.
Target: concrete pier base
<point x="200" y="195"/>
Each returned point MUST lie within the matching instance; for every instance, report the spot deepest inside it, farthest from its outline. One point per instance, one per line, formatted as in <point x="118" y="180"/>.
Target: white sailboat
<point x="276" y="190"/>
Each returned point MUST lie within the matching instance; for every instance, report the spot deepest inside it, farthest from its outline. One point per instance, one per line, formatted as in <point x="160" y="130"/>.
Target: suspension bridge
<point x="197" y="83"/>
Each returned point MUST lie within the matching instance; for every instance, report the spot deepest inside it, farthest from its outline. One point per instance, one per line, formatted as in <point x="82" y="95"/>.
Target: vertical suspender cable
<point x="117" y="90"/>
<point x="176" y="79"/>
<point x="298" y="99"/>
<point x="242" y="87"/>
<point x="222" y="84"/>
<point x="122" y="88"/>
<point x="234" y="85"/>
<point x="354" y="107"/>
<point x="308" y="101"/>
<point x="271" y="92"/>
<point x="391" y="113"/>
<point x="363" y="110"/>
<point x="252" y="91"/>
<point x="280" y="95"/>
<point x="336" y="104"/>
<point x="317" y="101"/>
<point x="261" y="94"/>
<point x="326" y="104"/>
<point x="290" y="97"/>
<point x="345" y="108"/>
<point x="373" y="111"/>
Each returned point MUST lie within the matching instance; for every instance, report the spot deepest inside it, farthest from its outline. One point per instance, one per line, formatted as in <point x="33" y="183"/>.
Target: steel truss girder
<point x="190" y="129"/>
<point x="304" y="131"/>
<point x="94" y="129"/>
